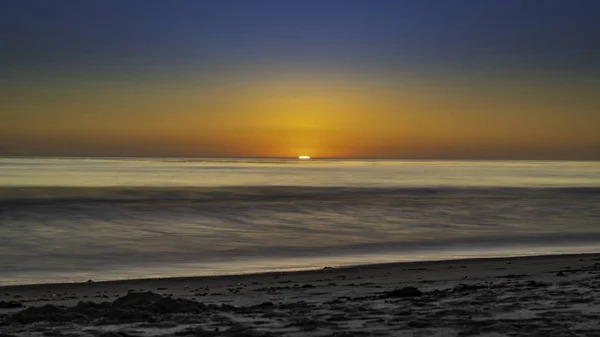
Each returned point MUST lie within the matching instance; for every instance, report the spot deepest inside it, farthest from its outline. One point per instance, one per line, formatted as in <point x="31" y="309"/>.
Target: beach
<point x="551" y="295"/>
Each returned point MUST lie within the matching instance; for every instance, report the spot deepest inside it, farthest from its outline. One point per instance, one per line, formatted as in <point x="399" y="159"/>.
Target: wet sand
<point x="526" y="296"/>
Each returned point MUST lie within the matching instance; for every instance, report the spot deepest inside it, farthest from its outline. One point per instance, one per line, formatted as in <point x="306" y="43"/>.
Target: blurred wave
<point x="76" y="219"/>
<point x="120" y="194"/>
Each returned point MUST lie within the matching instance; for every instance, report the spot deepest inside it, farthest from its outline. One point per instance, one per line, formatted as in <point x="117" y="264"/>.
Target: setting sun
<point x="304" y="157"/>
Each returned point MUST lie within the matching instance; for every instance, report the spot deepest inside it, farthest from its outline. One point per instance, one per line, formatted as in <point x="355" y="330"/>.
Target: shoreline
<point x="349" y="268"/>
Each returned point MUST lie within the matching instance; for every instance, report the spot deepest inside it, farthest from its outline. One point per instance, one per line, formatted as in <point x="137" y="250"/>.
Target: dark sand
<point x="528" y="296"/>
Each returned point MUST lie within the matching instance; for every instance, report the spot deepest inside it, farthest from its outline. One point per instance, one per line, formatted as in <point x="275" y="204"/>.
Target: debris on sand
<point x="404" y="292"/>
<point x="469" y="287"/>
<point x="10" y="304"/>
<point x="234" y="331"/>
<point x="537" y="284"/>
<point x="510" y="276"/>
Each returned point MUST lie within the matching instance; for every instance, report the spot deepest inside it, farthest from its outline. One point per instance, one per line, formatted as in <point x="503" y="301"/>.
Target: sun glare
<point x="304" y="157"/>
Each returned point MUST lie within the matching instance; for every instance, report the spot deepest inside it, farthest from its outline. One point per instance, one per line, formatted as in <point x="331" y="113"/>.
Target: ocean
<point x="74" y="219"/>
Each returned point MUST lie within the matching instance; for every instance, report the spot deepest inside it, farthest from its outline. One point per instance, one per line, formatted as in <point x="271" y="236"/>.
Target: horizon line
<point x="296" y="158"/>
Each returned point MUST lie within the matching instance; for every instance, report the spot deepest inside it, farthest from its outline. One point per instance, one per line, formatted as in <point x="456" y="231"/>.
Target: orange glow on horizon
<point x="326" y="117"/>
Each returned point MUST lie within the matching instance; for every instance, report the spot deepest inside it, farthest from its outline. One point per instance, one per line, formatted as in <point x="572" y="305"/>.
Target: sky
<point x="432" y="79"/>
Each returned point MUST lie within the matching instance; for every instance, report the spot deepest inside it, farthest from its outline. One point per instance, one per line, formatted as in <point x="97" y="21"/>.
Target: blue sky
<point x="113" y="35"/>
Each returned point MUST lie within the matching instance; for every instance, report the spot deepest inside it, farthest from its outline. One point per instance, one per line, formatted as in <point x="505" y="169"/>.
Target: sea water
<point x="74" y="219"/>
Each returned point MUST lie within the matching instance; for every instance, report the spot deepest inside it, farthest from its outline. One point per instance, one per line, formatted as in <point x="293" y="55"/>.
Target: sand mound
<point x="155" y="303"/>
<point x="131" y="307"/>
<point x="404" y="292"/>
